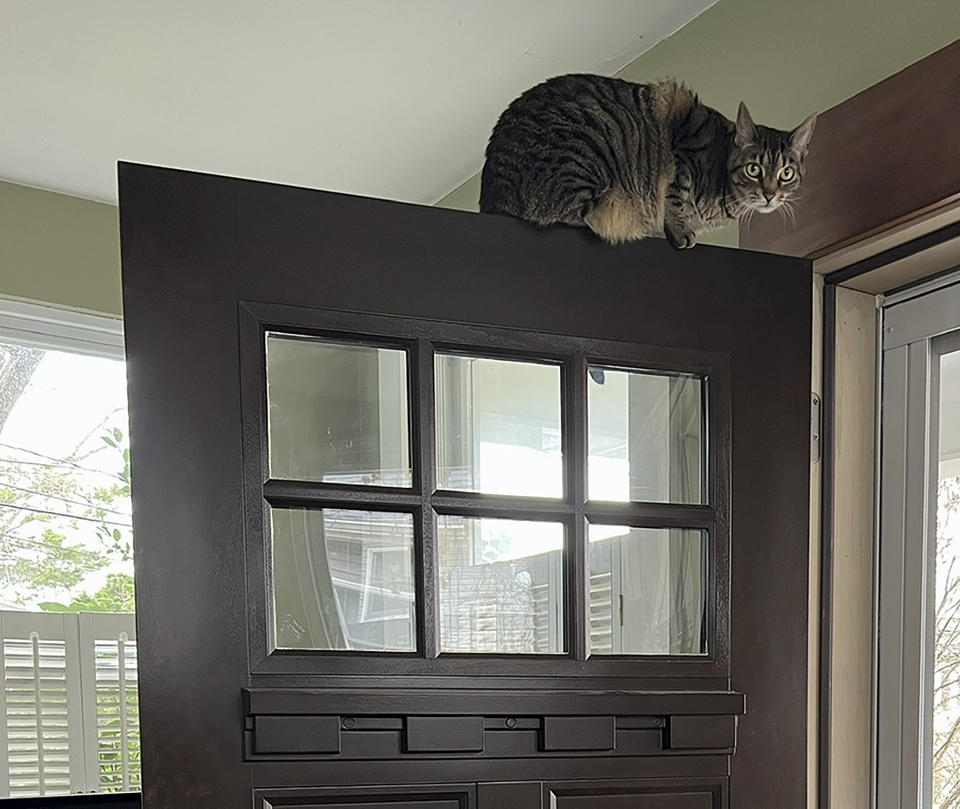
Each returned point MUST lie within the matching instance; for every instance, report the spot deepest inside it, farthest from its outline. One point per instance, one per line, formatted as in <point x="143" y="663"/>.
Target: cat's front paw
<point x="681" y="238"/>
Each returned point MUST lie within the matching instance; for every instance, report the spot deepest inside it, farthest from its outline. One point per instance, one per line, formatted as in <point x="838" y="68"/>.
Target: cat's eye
<point x="788" y="174"/>
<point x="752" y="170"/>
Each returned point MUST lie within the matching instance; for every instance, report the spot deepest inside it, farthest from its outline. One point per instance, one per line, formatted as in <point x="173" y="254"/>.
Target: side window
<point x="69" y="703"/>
<point x="446" y="500"/>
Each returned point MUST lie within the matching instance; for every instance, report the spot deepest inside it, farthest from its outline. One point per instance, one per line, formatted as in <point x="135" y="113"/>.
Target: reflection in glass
<point x="337" y="413"/>
<point x="646" y="437"/>
<point x="647" y="591"/>
<point x="498" y="426"/>
<point x="944" y="678"/>
<point x="343" y="579"/>
<point x="501" y="586"/>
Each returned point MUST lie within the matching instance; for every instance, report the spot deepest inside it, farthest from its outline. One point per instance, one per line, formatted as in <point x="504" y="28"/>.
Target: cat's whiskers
<point x="789" y="212"/>
<point x="741" y="208"/>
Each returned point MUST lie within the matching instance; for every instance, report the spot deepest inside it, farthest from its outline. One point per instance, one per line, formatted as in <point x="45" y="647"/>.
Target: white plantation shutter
<point x="605" y="596"/>
<point x="111" y="717"/>
<point x="602" y="613"/>
<point x="68" y="716"/>
<point x="41" y="717"/>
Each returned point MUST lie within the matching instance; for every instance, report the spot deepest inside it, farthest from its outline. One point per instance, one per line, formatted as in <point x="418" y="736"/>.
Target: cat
<point x="634" y="160"/>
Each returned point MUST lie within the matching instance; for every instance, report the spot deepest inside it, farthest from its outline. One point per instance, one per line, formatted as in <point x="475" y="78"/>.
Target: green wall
<point x="786" y="58"/>
<point x="59" y="249"/>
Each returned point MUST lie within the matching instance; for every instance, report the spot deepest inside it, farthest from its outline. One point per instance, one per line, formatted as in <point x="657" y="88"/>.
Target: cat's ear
<point x="800" y="137"/>
<point x="746" y="129"/>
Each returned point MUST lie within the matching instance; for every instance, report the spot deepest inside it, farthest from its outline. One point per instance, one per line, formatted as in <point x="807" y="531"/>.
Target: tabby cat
<point x="633" y="160"/>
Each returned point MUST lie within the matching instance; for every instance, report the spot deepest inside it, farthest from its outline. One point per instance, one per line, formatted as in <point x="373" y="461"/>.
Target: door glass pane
<point x="501" y="586"/>
<point x="946" y="657"/>
<point x="343" y="579"/>
<point x="646" y="436"/>
<point x="498" y="426"/>
<point x="647" y="591"/>
<point x="337" y="413"/>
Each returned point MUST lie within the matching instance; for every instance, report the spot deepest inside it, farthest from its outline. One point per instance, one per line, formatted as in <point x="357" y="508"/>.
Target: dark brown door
<point x="437" y="510"/>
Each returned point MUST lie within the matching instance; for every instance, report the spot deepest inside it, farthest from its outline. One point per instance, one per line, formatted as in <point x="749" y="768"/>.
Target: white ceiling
<point x="390" y="98"/>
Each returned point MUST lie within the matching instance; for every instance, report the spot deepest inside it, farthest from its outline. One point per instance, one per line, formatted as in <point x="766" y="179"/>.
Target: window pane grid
<point x="646" y="436"/>
<point x="337" y="411"/>
<point x="502" y="584"/>
<point x="649" y="591"/>
<point x="570" y="509"/>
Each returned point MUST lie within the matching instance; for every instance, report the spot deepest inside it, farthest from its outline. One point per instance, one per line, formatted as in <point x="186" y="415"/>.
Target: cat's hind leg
<point x="621" y="217"/>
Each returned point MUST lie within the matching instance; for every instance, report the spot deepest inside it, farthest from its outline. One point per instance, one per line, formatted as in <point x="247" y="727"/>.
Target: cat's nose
<point x="769" y="195"/>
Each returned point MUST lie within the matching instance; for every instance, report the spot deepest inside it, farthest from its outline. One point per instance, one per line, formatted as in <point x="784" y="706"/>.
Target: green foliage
<point x="112" y="736"/>
<point x="115" y="596"/>
<point x="946" y="664"/>
<point x="58" y="565"/>
<point x="62" y="520"/>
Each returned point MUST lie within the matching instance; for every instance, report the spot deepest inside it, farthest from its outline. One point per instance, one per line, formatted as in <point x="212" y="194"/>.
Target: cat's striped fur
<point x="633" y="160"/>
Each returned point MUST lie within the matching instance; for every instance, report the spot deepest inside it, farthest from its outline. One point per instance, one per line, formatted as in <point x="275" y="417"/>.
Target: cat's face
<point x="766" y="165"/>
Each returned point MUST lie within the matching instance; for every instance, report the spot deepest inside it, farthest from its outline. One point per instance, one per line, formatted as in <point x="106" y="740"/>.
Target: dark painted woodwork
<point x="702" y="732"/>
<point x="296" y="734"/>
<point x="589" y="799"/>
<point x="517" y="795"/>
<point x="381" y="730"/>
<point x="579" y="733"/>
<point x="444" y="734"/>
<point x="422" y="797"/>
<point x="112" y="800"/>
<point x="693" y="794"/>
<point x="879" y="159"/>
<point x="504" y="701"/>
<point x="445" y="768"/>
<point x="377" y="729"/>
<point x="209" y="261"/>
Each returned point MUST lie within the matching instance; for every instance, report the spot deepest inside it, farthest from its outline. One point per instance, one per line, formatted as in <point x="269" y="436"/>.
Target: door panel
<point x="662" y="794"/>
<point x="423" y="797"/>
<point x="631" y="800"/>
<point x="391" y="530"/>
<point x="403" y="803"/>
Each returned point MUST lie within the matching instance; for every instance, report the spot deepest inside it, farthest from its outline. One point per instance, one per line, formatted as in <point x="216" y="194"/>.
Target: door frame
<point x="849" y="524"/>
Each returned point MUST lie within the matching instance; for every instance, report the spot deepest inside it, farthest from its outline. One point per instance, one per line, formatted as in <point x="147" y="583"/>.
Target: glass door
<point x="918" y="723"/>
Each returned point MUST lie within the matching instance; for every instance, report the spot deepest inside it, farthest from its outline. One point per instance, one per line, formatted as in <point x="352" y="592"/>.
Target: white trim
<point x="923" y="317"/>
<point x="875" y="534"/>
<point x="852" y="455"/>
<point x="902" y="271"/>
<point x="61" y="329"/>
<point x="923" y="288"/>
